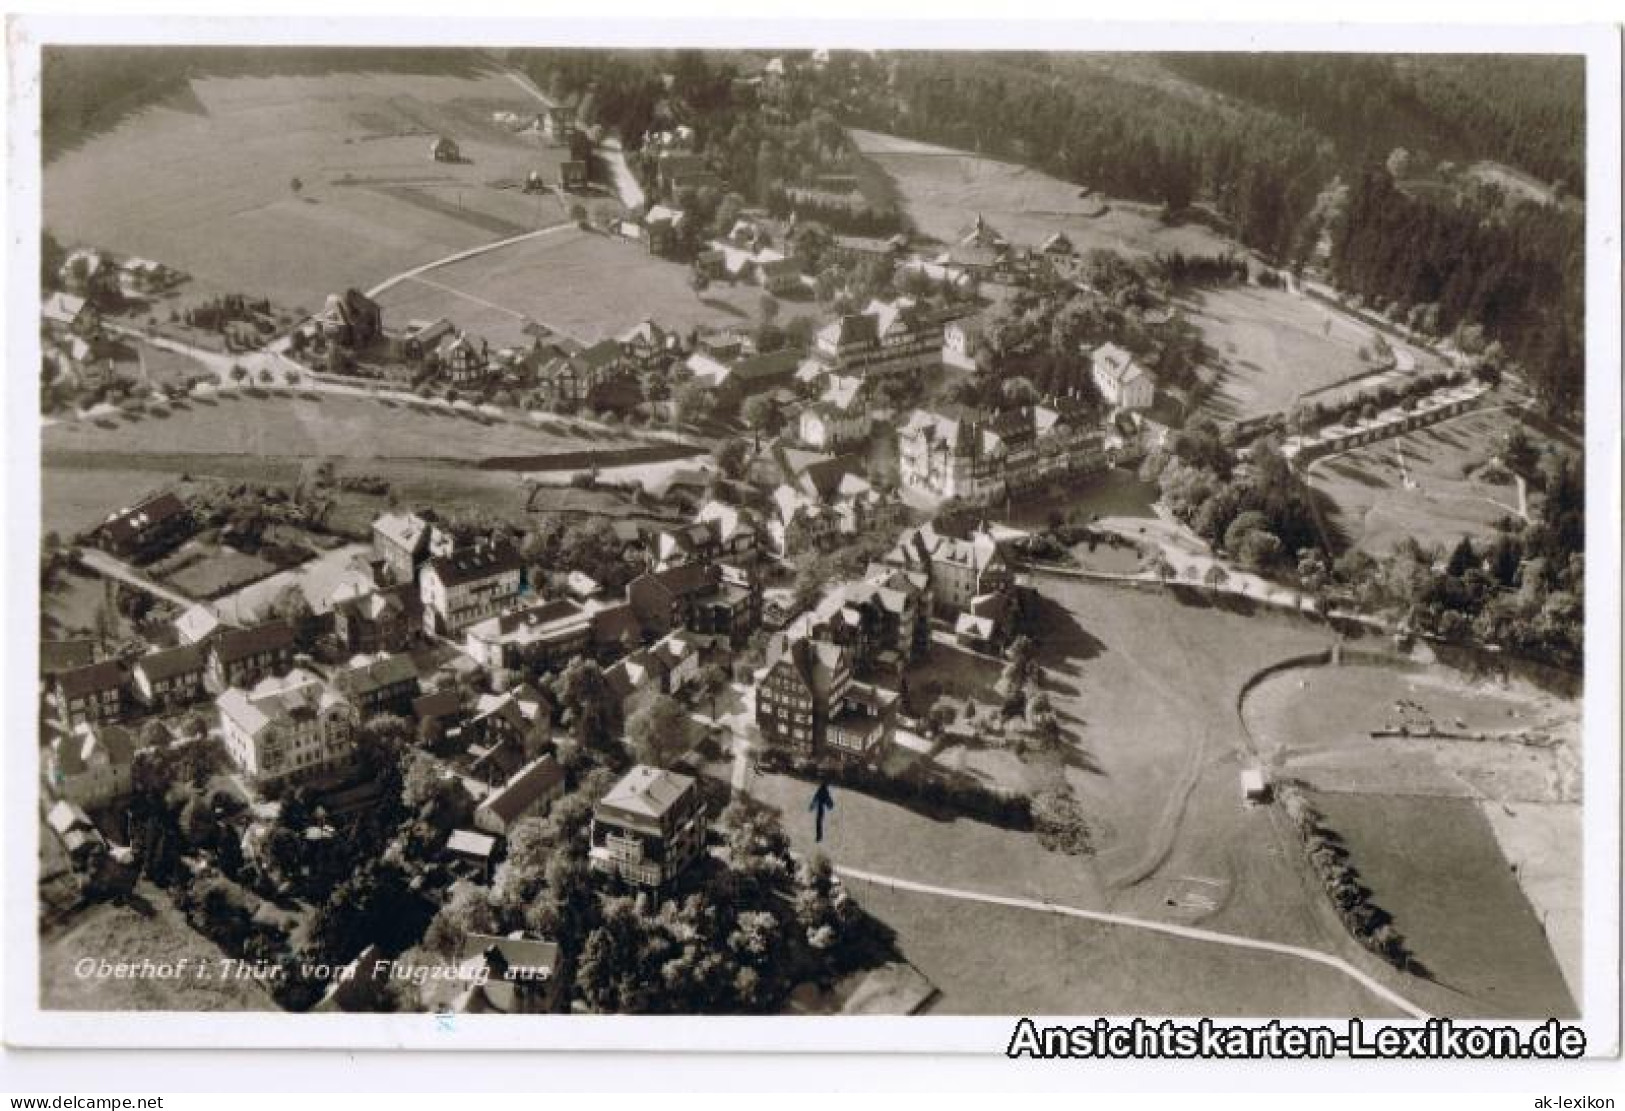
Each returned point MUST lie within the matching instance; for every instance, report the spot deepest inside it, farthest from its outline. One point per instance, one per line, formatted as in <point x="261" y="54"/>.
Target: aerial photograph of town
<point x="542" y="531"/>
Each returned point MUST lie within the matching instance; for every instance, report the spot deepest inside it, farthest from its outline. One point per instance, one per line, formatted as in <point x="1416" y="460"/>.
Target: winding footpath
<point x="1188" y="933"/>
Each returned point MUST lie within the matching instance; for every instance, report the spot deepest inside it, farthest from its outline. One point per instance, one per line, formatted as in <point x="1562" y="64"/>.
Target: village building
<point x="171" y="677"/>
<point x="378" y="684"/>
<point x="512" y="975"/>
<point x="377" y="620"/>
<point x="715" y="598"/>
<point x="445" y="149"/>
<point x="1122" y="381"/>
<point x="982" y="457"/>
<point x="840" y="418"/>
<point x="421" y="337"/>
<point x="405" y="542"/>
<point x="544" y="635"/>
<point x="93" y="693"/>
<point x="886" y="338"/>
<point x="91" y="274"/>
<point x="461" y="361"/>
<point x="648" y="829"/>
<point x="530" y="792"/>
<point x="664" y="227"/>
<point x="197" y="624"/>
<point x="351" y="320"/>
<point x="90" y="766"/>
<point x="799" y="690"/>
<point x="241" y="657"/>
<point x="959" y="570"/>
<point x="469" y="586"/>
<point x="147" y="528"/>
<point x="293" y="727"/>
<point x="76" y="833"/>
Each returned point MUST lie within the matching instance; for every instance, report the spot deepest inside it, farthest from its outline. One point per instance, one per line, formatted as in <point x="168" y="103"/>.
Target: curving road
<point x="1189" y="933"/>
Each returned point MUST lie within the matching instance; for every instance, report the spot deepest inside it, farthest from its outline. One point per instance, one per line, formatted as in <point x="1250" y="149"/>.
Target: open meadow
<point x="994" y="960"/>
<point x="1491" y="905"/>
<point x="1274" y="347"/>
<point x="943" y="190"/>
<point x="335" y="425"/>
<point x="203" y="181"/>
<point x="586" y="285"/>
<point x="1425" y="484"/>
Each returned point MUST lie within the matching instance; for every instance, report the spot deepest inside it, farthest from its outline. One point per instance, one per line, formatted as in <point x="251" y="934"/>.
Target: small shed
<point x="445" y="150"/>
<point x="1255" y="785"/>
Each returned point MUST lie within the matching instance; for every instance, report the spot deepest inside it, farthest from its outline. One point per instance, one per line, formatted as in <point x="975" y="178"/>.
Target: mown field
<point x="203" y="181"/>
<point x="326" y="424"/>
<point x="993" y="960"/>
<point x="1273" y="346"/>
<point x="1450" y="835"/>
<point x="582" y="284"/>
<point x="1419" y="485"/>
<point x="943" y="190"/>
<point x="1454" y="899"/>
<point x="1144" y="683"/>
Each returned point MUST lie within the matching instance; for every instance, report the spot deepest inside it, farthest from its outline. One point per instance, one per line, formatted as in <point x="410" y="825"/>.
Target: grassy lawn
<point x="203" y="181"/>
<point x="943" y="190"/>
<point x="1003" y="960"/>
<point x="583" y="284"/>
<point x="149" y="928"/>
<point x="331" y="425"/>
<point x="1273" y="346"/>
<point x="873" y="835"/>
<point x="1434" y="865"/>
<point x="1421" y="484"/>
<point x="1144" y="684"/>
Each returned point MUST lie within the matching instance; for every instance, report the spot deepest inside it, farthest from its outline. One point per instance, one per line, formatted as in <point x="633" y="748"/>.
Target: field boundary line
<point x="1189" y="933"/>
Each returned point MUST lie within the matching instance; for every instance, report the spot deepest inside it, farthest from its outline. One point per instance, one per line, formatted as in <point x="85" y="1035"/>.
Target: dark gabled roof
<point x="611" y="624"/>
<point x="528" y="955"/>
<point x="158" y="666"/>
<point x="775" y="364"/>
<point x="684" y="579"/>
<point x="129" y="524"/>
<point x="92" y="679"/>
<point x="377" y="675"/>
<point x="238" y="644"/>
<point x="523" y="790"/>
<point x="438" y="704"/>
<point x="476" y="563"/>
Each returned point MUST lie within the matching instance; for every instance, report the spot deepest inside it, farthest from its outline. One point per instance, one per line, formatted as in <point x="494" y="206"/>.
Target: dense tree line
<point x="1133" y="140"/>
<point x="1526" y="110"/>
<point x="1518" y="275"/>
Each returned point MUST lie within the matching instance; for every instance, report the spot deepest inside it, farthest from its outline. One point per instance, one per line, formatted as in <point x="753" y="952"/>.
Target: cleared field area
<point x="204" y="180"/>
<point x="1424" y="484"/>
<point x="873" y="835"/>
<point x="1495" y="817"/>
<point x="1144" y="683"/>
<point x="1434" y="865"/>
<point x="943" y="190"/>
<point x="1274" y="346"/>
<point x="325" y="424"/>
<point x="583" y="284"/>
<point x="1003" y="960"/>
<point x="149" y="928"/>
